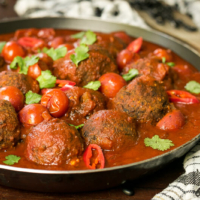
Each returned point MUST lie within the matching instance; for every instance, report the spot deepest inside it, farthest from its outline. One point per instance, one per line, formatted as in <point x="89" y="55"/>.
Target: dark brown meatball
<point x="9" y="125"/>
<point x="110" y="129"/>
<point x="1" y="61"/>
<point x="21" y="81"/>
<point x="144" y="99"/>
<point x="53" y="142"/>
<point x="45" y="62"/>
<point x="153" y="67"/>
<point x="98" y="63"/>
<point x="82" y="104"/>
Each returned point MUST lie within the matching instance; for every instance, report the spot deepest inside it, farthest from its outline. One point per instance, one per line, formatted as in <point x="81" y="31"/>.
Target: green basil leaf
<point x="130" y="75"/>
<point x="46" y="80"/>
<point x="11" y="159"/>
<point x="2" y="44"/>
<point x="89" y="38"/>
<point x="81" y="53"/>
<point x="193" y="87"/>
<point x="77" y="127"/>
<point x="32" y="97"/>
<point x="94" y="85"/>
<point x="78" y="35"/>
<point x="171" y="64"/>
<point x="55" y="54"/>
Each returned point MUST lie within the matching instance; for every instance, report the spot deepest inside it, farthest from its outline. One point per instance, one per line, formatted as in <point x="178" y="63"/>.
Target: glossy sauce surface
<point x="139" y="152"/>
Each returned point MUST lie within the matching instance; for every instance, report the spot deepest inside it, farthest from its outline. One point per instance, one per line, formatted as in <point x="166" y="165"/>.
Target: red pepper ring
<point x="179" y="96"/>
<point x="98" y="160"/>
<point x="30" y="42"/>
<point x="65" y="84"/>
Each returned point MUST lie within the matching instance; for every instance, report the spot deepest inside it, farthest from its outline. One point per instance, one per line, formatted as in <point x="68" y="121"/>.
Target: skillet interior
<point x="87" y="180"/>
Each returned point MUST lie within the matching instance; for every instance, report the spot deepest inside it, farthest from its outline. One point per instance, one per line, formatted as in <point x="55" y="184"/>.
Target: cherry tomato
<point x="171" y="121"/>
<point x="34" y="71"/>
<point x="135" y="45"/>
<point x="56" y="102"/>
<point x="56" y="42"/>
<point x="68" y="46"/>
<point x="69" y="53"/>
<point x="13" y="95"/>
<point x="162" y="53"/>
<point x="123" y="36"/>
<point x="46" y="33"/>
<point x="111" y="83"/>
<point x="32" y="114"/>
<point x="124" y="57"/>
<point x="45" y="90"/>
<point x="11" y="50"/>
<point x="31" y="42"/>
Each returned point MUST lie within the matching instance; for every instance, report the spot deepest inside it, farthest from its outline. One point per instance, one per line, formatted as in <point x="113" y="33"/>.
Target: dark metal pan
<point x="88" y="180"/>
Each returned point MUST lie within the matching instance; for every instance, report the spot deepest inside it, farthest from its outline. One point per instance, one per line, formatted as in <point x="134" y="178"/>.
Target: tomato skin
<point x="56" y="102"/>
<point x="111" y="83"/>
<point x="11" y="50"/>
<point x="34" y="71"/>
<point x="56" y="42"/>
<point x="123" y="36"/>
<point x="135" y="45"/>
<point x="13" y="95"/>
<point x="160" y="53"/>
<point x="32" y="114"/>
<point x="171" y="121"/>
<point x="124" y="57"/>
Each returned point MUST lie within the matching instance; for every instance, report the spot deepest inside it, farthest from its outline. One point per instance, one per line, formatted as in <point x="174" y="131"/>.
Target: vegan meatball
<point x="1" y="61"/>
<point x="9" y="125"/>
<point x="144" y="99"/>
<point x="21" y="81"/>
<point x="53" y="142"/>
<point x="83" y="103"/>
<point x="110" y="129"/>
<point x="90" y="69"/>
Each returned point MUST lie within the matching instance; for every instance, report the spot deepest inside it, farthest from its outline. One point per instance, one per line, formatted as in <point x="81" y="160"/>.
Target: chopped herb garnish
<point x="193" y="87"/>
<point x="78" y="35"/>
<point x="23" y="63"/>
<point x="2" y="44"/>
<point x="171" y="64"/>
<point x="46" y="80"/>
<point x="156" y="143"/>
<point x="130" y="75"/>
<point x="55" y="54"/>
<point x="94" y="85"/>
<point x="11" y="160"/>
<point x="89" y="38"/>
<point x="77" y="127"/>
<point x="81" y="53"/>
<point x="163" y="59"/>
<point x="32" y="97"/>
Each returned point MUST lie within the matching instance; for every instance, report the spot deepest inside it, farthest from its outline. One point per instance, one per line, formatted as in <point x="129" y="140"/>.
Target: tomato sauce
<point x="139" y="152"/>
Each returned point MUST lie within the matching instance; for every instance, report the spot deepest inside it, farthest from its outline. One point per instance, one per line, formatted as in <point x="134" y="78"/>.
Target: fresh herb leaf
<point x="163" y="59"/>
<point x="193" y="87"/>
<point x="81" y="53"/>
<point x="130" y="75"/>
<point x="78" y="35"/>
<point x="77" y="127"/>
<point x="55" y="54"/>
<point x="171" y="64"/>
<point x="89" y="38"/>
<point x="156" y="143"/>
<point x="94" y="85"/>
<point x="11" y="159"/>
<point x="32" y="97"/>
<point x="46" y="80"/>
<point x="23" y="63"/>
<point x="2" y="44"/>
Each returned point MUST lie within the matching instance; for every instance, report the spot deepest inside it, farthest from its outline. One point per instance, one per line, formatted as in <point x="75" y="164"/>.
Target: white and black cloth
<point x="187" y="186"/>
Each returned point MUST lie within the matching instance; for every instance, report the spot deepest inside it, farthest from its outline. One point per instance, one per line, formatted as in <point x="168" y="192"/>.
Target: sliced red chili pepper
<point x="65" y="84"/>
<point x="180" y="96"/>
<point x="30" y="42"/>
<point x="98" y="161"/>
<point x="136" y="45"/>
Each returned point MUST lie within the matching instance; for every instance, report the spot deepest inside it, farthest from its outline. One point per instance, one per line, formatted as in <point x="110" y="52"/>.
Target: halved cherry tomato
<point x="111" y="83"/>
<point x="124" y="57"/>
<point x="179" y="96"/>
<point x="56" y="102"/>
<point x="31" y="42"/>
<point x="171" y="121"/>
<point x="98" y="161"/>
<point x="123" y="36"/>
<point x="162" y="53"/>
<point x="34" y="71"/>
<point x="13" y="95"/>
<point x="11" y="50"/>
<point x="65" y="84"/>
<point x="136" y="45"/>
<point x="32" y="114"/>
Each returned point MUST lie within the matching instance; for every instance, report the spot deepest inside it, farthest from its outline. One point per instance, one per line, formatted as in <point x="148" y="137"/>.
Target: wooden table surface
<point x="144" y="188"/>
